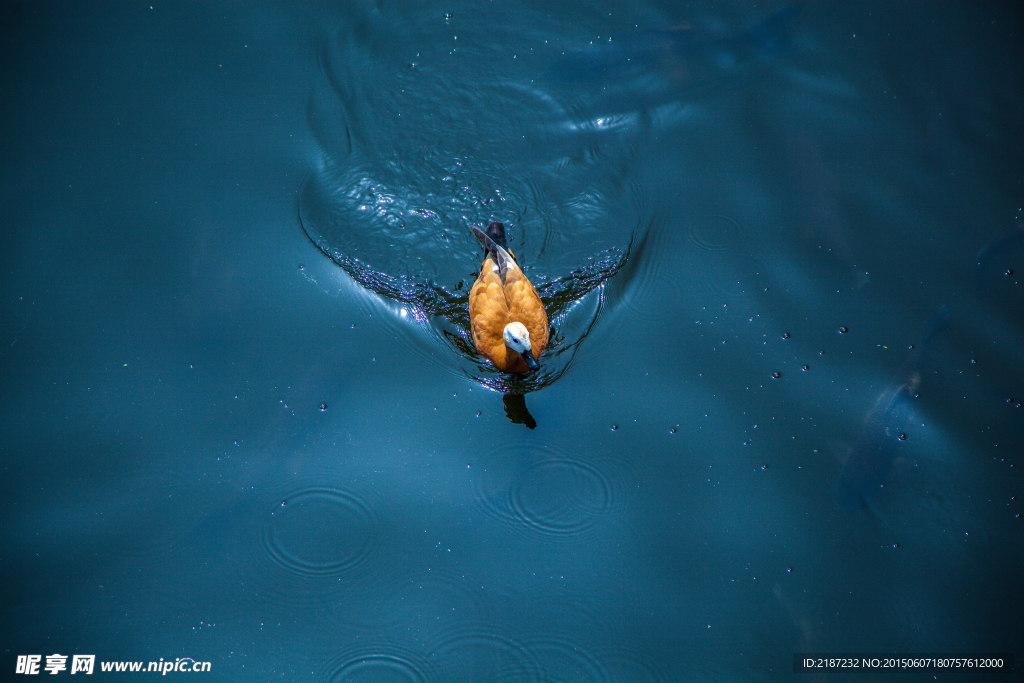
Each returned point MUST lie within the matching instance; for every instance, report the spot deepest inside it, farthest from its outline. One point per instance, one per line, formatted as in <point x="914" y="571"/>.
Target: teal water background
<point x="244" y="423"/>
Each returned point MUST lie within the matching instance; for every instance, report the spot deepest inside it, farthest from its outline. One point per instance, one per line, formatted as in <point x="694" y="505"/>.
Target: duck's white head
<point x="517" y="338"/>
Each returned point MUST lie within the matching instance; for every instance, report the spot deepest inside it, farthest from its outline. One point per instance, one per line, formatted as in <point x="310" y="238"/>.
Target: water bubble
<point x="1009" y="271"/>
<point x="302" y="267"/>
<point x="322" y="407"/>
<point x="614" y="427"/>
<point x="843" y="329"/>
<point x="903" y="437"/>
<point x="764" y="466"/>
<point x="776" y="375"/>
<point x="674" y="430"/>
<point x="479" y="413"/>
<point x="785" y="335"/>
<point x="805" y="368"/>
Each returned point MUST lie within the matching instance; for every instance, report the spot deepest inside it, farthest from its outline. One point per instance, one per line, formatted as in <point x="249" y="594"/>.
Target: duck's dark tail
<point x="495" y="248"/>
<point x="496" y="231"/>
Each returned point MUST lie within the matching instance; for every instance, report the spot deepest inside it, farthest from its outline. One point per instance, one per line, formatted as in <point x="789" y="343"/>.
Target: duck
<point x="506" y="315"/>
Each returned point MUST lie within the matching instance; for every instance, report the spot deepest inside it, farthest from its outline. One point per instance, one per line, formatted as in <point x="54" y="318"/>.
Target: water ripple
<point x="423" y="602"/>
<point x="384" y="664"/>
<point x="481" y="655"/>
<point x="560" y="496"/>
<point x="626" y="665"/>
<point x="732" y="278"/>
<point x="320" y="532"/>
<point x="550" y="495"/>
<point x="563" y="661"/>
<point x="716" y="232"/>
<point x="647" y="275"/>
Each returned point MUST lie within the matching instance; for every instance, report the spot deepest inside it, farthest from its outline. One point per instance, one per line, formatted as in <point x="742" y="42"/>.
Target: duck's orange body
<point x="502" y="294"/>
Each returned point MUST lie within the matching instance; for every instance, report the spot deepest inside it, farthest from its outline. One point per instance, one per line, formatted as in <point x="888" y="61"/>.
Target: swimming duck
<point x="509" y="324"/>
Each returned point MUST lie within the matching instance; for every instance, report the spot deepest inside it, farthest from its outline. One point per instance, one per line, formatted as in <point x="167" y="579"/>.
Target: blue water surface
<point x="245" y="423"/>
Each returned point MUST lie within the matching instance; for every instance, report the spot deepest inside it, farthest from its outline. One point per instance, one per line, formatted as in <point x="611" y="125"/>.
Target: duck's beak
<point x="531" y="362"/>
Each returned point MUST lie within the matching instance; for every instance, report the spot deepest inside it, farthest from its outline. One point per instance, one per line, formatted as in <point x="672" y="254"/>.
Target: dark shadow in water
<point x="516" y="411"/>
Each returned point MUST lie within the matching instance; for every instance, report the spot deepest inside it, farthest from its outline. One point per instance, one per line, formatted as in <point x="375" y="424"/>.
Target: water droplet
<point x="805" y="368"/>
<point x="283" y="503"/>
<point x="614" y="427"/>
<point x="322" y="407"/>
<point x="973" y="362"/>
<point x="1009" y="271"/>
<point x="903" y="437"/>
<point x="785" y="335"/>
<point x="479" y="412"/>
<point x="764" y="466"/>
<point x="895" y="545"/>
<point x="673" y="430"/>
<point x="789" y="570"/>
<point x="302" y="267"/>
<point x="843" y="329"/>
<point x="776" y="375"/>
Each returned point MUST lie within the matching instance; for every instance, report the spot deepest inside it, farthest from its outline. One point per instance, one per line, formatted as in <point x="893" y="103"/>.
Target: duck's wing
<point x="525" y="306"/>
<point x="488" y="311"/>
